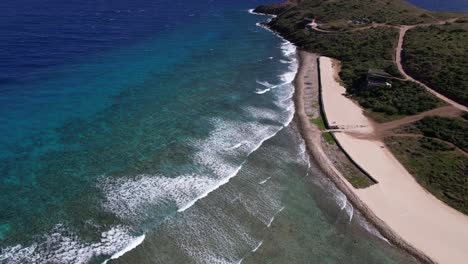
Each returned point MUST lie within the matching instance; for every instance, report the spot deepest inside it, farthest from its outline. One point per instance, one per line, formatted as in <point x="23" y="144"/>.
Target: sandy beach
<point x="404" y="212"/>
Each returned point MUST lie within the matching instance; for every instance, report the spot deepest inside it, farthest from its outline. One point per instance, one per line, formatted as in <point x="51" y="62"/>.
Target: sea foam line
<point x="213" y="188"/>
<point x="273" y="218"/>
<point x="288" y="50"/>
<point x="69" y="248"/>
<point x="130" y="246"/>
<point x="236" y="146"/>
<point x="258" y="246"/>
<point x="252" y="11"/>
<point x="271" y="86"/>
<point x="263" y="91"/>
<point x="264" y="181"/>
<point x="232" y="175"/>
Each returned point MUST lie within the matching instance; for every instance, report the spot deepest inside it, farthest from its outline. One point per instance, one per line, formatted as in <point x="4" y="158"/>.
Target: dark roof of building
<point x="378" y="73"/>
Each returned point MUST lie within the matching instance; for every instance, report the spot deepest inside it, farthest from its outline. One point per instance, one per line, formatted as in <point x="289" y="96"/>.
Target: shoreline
<point x="312" y="137"/>
<point x="399" y="207"/>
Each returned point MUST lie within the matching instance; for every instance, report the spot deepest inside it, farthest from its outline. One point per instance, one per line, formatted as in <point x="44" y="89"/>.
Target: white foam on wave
<point x="128" y="197"/>
<point x="210" y="157"/>
<point x="210" y="189"/>
<point x="130" y="246"/>
<point x="349" y="209"/>
<point x="262" y="25"/>
<point x="372" y="230"/>
<point x="289" y="51"/>
<point x="236" y="146"/>
<point x="268" y="86"/>
<point x="252" y="11"/>
<point x="264" y="181"/>
<point x="342" y="201"/>
<point x="257" y="247"/>
<point x="63" y="246"/>
<point x="259" y="91"/>
<point x="273" y="218"/>
<point x="215" y="237"/>
<point x="263" y="114"/>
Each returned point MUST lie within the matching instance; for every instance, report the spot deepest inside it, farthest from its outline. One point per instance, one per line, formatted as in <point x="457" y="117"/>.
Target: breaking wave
<point x="63" y="246"/>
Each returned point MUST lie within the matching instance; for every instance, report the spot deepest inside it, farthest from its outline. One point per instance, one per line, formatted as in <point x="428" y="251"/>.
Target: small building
<point x="376" y="79"/>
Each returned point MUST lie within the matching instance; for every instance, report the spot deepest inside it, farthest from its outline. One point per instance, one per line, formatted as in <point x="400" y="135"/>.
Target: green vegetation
<point x="403" y="98"/>
<point x="360" y="50"/>
<point x="274" y="9"/>
<point x="438" y="56"/>
<point x="319" y="123"/>
<point x="326" y="135"/>
<point x="436" y="166"/>
<point x="432" y="53"/>
<point x="453" y="130"/>
<point x="359" y="180"/>
<point x="336" y="11"/>
<point x="329" y="138"/>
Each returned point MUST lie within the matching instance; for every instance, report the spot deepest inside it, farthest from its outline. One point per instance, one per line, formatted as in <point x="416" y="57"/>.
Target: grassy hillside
<point x="360" y="50"/>
<point x="394" y="12"/>
<point x="438" y="56"/>
<point x="453" y="130"/>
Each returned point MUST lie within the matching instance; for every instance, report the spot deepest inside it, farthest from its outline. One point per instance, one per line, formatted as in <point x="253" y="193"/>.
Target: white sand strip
<point x="340" y="110"/>
<point x="413" y="213"/>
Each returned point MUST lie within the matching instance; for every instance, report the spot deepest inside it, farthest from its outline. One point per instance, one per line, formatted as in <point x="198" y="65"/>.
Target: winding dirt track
<point x="445" y="111"/>
<point x="398" y="56"/>
<point x="398" y="53"/>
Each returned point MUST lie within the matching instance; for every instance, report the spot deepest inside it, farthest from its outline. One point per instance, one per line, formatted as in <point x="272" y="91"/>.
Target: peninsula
<point x="387" y="81"/>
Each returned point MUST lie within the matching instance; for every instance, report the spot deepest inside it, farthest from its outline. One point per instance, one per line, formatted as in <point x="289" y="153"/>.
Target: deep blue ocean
<point x="164" y="127"/>
<point x="442" y="5"/>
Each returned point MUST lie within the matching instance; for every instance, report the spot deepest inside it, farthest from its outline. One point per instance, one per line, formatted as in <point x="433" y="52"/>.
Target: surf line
<point x="236" y="146"/>
<point x="226" y="179"/>
<point x="269" y="87"/>
<point x="348" y="207"/>
<point x="253" y="251"/>
<point x="258" y="246"/>
<point x="230" y="176"/>
<point x="273" y="218"/>
<point x="264" y="181"/>
<point x="129" y="247"/>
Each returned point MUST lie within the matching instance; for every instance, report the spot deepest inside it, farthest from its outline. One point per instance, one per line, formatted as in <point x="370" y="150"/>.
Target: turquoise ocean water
<point x="163" y="130"/>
